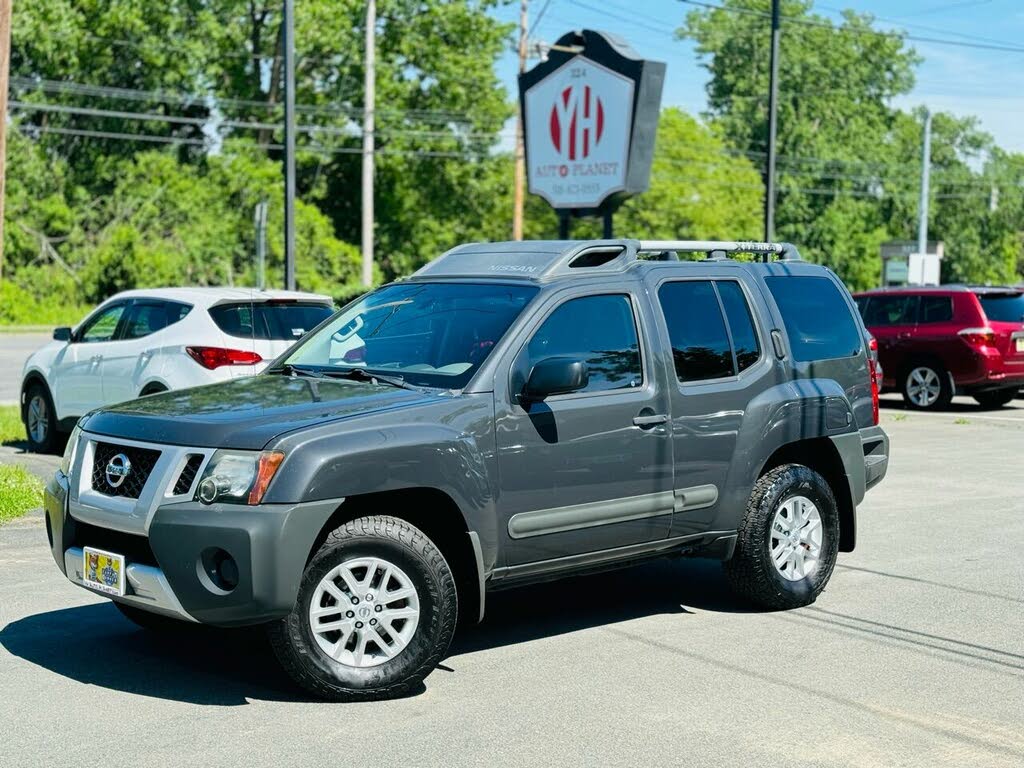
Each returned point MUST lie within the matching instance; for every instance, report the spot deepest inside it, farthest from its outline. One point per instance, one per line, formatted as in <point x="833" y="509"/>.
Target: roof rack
<point x="784" y="251"/>
<point x="541" y="260"/>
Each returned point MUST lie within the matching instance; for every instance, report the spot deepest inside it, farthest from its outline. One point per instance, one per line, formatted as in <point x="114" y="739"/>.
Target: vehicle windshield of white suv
<point x="1003" y="307"/>
<point x="430" y="334"/>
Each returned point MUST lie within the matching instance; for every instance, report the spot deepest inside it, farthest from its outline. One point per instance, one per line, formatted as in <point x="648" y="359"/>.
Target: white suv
<point x="146" y="341"/>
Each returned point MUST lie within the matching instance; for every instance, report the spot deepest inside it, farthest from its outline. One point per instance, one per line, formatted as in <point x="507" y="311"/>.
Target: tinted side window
<point x="599" y="329"/>
<point x="741" y="324"/>
<point x="696" y="328"/>
<point x="818" y="320"/>
<point x="891" y="310"/>
<point x="936" y="309"/>
<point x="149" y="317"/>
<point x="103" y="326"/>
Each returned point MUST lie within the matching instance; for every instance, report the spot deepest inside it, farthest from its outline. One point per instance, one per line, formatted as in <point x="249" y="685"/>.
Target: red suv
<point x="953" y="339"/>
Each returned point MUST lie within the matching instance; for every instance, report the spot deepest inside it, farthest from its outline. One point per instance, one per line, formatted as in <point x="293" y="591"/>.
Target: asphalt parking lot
<point x="14" y="348"/>
<point x="912" y="657"/>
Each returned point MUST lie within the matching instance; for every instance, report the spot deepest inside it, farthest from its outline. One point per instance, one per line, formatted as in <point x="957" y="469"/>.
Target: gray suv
<point x="512" y="412"/>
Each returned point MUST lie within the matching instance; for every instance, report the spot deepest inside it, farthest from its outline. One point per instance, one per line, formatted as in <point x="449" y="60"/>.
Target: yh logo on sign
<point x="577" y="122"/>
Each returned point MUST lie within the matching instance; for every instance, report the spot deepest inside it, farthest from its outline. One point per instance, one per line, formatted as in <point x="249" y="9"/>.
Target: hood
<point x="246" y="413"/>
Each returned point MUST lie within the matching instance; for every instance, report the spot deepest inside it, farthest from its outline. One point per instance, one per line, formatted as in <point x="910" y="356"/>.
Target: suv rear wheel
<point x="788" y="540"/>
<point x="926" y="386"/>
<point x="375" y="614"/>
<point x="996" y="399"/>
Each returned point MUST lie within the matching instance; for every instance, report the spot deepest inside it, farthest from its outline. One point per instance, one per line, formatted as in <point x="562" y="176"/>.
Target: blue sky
<point x="988" y="84"/>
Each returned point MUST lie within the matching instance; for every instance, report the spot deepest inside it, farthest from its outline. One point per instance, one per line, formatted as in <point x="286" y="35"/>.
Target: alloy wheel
<point x="38" y="419"/>
<point x="364" y="612"/>
<point x="924" y="387"/>
<point x="796" y="538"/>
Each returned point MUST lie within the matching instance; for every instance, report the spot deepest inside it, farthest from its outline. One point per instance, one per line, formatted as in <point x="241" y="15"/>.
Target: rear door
<point x="720" y="364"/>
<point x="136" y="357"/>
<point x="892" y="320"/>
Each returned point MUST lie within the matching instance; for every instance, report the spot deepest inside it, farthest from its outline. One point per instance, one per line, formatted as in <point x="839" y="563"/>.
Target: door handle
<point x="95" y="359"/>
<point x="146" y="355"/>
<point x="651" y="420"/>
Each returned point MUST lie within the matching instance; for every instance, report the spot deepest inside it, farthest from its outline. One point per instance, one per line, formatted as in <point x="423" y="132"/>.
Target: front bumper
<point x="164" y="567"/>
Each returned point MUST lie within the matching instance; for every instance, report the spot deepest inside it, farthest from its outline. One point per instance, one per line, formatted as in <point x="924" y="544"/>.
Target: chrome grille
<point x="142" y="462"/>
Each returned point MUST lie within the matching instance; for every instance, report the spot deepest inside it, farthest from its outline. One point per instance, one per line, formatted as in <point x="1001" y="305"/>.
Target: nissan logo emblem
<point x="117" y="470"/>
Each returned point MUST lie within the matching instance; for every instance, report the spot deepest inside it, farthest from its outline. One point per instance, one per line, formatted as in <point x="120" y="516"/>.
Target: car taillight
<point x="215" y="357"/>
<point x="873" y="344"/>
<point x="978" y="337"/>
<point x="873" y="368"/>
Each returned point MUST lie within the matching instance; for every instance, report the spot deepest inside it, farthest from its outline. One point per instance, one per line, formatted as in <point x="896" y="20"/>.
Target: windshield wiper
<point x="362" y="374"/>
<point x="295" y="370"/>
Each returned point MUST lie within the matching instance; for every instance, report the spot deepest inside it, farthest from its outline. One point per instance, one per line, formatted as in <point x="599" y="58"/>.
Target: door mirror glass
<point x="62" y="334"/>
<point x="556" y="376"/>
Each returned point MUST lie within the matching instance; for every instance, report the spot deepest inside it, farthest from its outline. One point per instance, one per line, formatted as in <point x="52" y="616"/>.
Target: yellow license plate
<point x="103" y="571"/>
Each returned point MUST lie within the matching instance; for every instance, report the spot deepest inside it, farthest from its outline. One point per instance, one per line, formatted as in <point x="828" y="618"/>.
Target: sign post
<point x="590" y="115"/>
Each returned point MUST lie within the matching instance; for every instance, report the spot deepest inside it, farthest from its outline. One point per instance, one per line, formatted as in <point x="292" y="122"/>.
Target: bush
<point x="19" y="306"/>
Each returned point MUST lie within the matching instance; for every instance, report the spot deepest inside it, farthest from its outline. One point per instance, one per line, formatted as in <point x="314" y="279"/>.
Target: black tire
<point x="37" y="393"/>
<point x="995" y="399"/>
<point x="405" y="546"/>
<point x="750" y="571"/>
<point x="153" y="622"/>
<point x="152" y="389"/>
<point x="945" y="385"/>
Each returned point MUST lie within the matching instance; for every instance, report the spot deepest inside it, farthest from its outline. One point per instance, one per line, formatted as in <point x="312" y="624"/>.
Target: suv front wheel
<point x="788" y="541"/>
<point x="376" y="611"/>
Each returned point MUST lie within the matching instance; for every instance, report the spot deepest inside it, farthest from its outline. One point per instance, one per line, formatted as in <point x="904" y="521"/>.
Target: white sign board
<point x="578" y="121"/>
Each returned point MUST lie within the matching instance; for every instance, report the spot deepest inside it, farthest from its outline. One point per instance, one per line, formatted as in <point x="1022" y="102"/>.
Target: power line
<point x="857" y="31"/>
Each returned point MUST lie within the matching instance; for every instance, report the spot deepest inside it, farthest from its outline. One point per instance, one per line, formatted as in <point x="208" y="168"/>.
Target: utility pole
<point x="926" y="162"/>
<point x="773" y="96"/>
<point x="369" y="98"/>
<point x="520" y="172"/>
<point x="289" y="144"/>
<point x="260" y="220"/>
<point x="5" y="61"/>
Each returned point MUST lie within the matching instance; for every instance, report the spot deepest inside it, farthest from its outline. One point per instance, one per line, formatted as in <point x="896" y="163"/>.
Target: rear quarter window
<point x="269" y="320"/>
<point x="818" y="320"/>
<point x="1003" y="307"/>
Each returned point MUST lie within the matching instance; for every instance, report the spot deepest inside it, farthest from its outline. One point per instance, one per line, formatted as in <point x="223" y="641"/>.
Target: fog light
<point x="218" y="569"/>
<point x="212" y="487"/>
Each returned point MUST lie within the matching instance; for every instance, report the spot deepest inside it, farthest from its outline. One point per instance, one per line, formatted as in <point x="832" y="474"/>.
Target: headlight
<point x="238" y="477"/>
<point x="68" y="460"/>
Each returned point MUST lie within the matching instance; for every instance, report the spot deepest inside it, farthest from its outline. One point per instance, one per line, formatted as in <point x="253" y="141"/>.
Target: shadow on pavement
<point x="680" y="586"/>
<point x="95" y="645"/>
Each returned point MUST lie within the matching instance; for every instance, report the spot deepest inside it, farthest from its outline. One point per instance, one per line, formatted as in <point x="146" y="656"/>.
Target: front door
<point x="77" y="377"/>
<point x="591" y="469"/>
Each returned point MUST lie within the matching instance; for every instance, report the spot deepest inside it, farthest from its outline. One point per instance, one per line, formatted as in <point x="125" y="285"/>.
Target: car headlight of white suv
<point x="238" y="477"/>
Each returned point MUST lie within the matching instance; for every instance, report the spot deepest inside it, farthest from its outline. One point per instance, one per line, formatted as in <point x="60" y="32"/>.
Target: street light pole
<point x="773" y="95"/>
<point x="289" y="144"/>
<point x="369" y="99"/>
<point x="926" y="161"/>
<point x="520" y="170"/>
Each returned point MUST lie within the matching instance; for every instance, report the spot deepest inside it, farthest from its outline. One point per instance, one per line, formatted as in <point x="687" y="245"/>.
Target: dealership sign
<point x="590" y="115"/>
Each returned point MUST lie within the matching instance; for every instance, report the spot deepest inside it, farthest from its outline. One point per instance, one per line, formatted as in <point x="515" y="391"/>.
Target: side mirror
<point x="62" y="334"/>
<point x="556" y="376"/>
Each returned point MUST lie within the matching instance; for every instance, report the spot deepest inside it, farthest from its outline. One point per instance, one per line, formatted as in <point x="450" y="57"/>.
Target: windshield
<point x="430" y="334"/>
<point x="1003" y="307"/>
